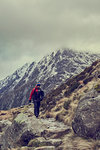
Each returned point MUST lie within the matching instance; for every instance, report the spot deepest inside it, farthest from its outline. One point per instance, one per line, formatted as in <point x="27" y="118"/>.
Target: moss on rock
<point x="21" y="118"/>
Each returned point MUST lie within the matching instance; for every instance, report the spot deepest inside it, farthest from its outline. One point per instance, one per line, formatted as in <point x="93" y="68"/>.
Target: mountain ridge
<point x="50" y="71"/>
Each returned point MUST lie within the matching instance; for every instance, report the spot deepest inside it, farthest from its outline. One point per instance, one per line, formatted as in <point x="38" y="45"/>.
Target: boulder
<point x="86" y="122"/>
<point x="4" y="125"/>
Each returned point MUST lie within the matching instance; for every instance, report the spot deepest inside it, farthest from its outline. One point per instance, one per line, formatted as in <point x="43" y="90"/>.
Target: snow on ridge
<point x="21" y="71"/>
<point x="29" y="70"/>
<point x="74" y="57"/>
<point x="15" y="77"/>
<point x="48" y="66"/>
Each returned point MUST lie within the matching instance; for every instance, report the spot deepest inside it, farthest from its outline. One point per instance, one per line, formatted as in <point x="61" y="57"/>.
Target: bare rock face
<point x="86" y="122"/>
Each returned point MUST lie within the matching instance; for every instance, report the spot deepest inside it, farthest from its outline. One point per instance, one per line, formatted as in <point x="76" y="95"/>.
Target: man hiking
<point x="37" y="96"/>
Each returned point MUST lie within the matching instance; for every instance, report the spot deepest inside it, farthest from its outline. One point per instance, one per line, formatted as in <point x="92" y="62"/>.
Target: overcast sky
<point x="29" y="29"/>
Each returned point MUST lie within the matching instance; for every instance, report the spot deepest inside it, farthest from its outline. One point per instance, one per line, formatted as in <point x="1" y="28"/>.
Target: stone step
<point x="37" y="142"/>
<point x="55" y="142"/>
<point x="45" y="148"/>
<point x="58" y="133"/>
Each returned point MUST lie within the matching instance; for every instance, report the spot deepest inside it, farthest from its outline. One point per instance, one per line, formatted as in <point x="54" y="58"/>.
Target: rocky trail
<point x="26" y="132"/>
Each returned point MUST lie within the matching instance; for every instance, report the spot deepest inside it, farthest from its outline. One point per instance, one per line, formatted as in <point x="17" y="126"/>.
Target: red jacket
<point x="32" y="92"/>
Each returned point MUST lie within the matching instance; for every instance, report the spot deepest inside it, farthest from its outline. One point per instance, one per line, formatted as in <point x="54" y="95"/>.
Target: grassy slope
<point x="63" y="101"/>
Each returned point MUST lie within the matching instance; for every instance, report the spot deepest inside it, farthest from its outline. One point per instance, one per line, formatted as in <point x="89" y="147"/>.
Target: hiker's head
<point x="38" y="85"/>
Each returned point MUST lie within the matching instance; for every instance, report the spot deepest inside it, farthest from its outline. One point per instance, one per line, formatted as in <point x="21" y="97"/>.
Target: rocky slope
<point x="51" y="71"/>
<point x="76" y="86"/>
<point x="69" y="118"/>
<point x="77" y="103"/>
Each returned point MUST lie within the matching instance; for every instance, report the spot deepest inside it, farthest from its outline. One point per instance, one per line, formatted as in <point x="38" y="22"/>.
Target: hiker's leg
<point x="35" y="109"/>
<point x="38" y="106"/>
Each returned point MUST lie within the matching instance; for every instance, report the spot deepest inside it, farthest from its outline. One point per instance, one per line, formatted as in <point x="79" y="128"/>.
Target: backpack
<point x="38" y="95"/>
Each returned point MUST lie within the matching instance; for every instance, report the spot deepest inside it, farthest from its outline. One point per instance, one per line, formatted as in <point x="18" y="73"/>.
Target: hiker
<point x="37" y="96"/>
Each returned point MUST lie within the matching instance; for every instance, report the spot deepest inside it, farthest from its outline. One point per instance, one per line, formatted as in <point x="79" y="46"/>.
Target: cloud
<point x="33" y="28"/>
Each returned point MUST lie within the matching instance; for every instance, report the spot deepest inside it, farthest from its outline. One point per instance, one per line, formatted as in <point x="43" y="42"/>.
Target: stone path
<point x="52" y="134"/>
<point x="33" y="133"/>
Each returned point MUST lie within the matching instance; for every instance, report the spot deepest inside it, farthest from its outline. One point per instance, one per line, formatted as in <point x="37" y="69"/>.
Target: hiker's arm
<point x="31" y="94"/>
<point x="42" y="95"/>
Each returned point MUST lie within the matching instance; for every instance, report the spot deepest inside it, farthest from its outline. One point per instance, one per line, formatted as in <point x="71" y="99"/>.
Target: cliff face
<point x="51" y="71"/>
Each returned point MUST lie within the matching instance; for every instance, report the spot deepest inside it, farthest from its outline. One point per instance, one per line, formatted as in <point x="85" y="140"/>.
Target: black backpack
<point x="38" y="96"/>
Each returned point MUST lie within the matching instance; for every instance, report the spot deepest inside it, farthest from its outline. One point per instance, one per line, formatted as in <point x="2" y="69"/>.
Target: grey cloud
<point x="34" y="27"/>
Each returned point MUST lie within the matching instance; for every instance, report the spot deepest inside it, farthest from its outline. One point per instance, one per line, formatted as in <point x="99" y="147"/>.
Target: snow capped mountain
<point x="11" y="81"/>
<point x="51" y="71"/>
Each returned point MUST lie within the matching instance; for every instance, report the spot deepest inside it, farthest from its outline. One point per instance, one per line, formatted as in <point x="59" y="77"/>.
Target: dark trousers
<point x="36" y="108"/>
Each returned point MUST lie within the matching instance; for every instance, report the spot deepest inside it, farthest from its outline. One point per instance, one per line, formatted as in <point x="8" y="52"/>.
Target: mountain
<point x="11" y="81"/>
<point x="50" y="71"/>
<point x="69" y="117"/>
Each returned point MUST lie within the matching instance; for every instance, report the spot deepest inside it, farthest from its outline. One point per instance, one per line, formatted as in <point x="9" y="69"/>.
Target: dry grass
<point x="59" y="113"/>
<point x="71" y="111"/>
<point x="72" y="142"/>
<point x="12" y="113"/>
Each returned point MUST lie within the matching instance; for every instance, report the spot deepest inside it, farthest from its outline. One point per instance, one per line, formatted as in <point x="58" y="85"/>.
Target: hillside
<point x="71" y="91"/>
<point x="51" y="71"/>
<point x="65" y="113"/>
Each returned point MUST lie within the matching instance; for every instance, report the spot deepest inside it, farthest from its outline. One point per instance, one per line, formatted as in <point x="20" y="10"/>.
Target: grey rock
<point x="91" y="94"/>
<point x="45" y="148"/>
<point x="4" y="125"/>
<point x="55" y="142"/>
<point x="86" y="122"/>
